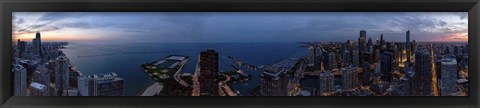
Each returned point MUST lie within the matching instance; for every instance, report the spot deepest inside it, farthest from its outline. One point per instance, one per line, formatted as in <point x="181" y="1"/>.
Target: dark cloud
<point x="45" y="20"/>
<point x="56" y="16"/>
<point x="43" y="29"/>
<point x="20" y="21"/>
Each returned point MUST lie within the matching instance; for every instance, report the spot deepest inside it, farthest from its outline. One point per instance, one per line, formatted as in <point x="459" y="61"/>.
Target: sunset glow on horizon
<point x="238" y="27"/>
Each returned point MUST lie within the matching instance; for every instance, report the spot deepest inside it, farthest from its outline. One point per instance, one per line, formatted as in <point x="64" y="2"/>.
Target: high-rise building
<point x="355" y="58"/>
<point x="327" y="82"/>
<point x="20" y="80"/>
<point x="21" y="45"/>
<point x="42" y="75"/>
<point x="351" y="45"/>
<point x="382" y="41"/>
<point x="376" y="71"/>
<point x="407" y="43"/>
<point x="413" y="49"/>
<point x="83" y="85"/>
<point x="108" y="85"/>
<point x="349" y="77"/>
<point x="274" y="79"/>
<point x="370" y="45"/>
<point x="408" y="46"/>
<point x="37" y="44"/>
<point x="376" y="56"/>
<point x="208" y="70"/>
<point x="329" y="60"/>
<point x="387" y="63"/>
<point x="380" y="87"/>
<point x="62" y="76"/>
<point x="347" y="58"/>
<point x="362" y="41"/>
<point x="99" y="85"/>
<point x="449" y="76"/>
<point x="423" y="73"/>
<point x="273" y="83"/>
<point x="73" y="78"/>
<point x="366" y="74"/>
<point x="362" y="47"/>
<point x="318" y="62"/>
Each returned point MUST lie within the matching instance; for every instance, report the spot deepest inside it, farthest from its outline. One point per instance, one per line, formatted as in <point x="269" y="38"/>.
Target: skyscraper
<point x="370" y="45"/>
<point x="423" y="73"/>
<point x="327" y="82"/>
<point x="376" y="55"/>
<point x="347" y="58"/>
<point x="366" y="74"/>
<point x="349" y="78"/>
<point x="42" y="76"/>
<point x="273" y="83"/>
<point x="382" y="42"/>
<point x="329" y="60"/>
<point x="61" y="75"/>
<point x="362" y="48"/>
<point x="37" y="44"/>
<point x="362" y="41"/>
<point x="108" y="85"/>
<point x="20" y="80"/>
<point x="274" y="79"/>
<point x="21" y="46"/>
<point x="208" y="68"/>
<point x="408" y="46"/>
<point x="387" y="64"/>
<point x="376" y="71"/>
<point x="355" y="58"/>
<point x="407" y="43"/>
<point x="84" y="88"/>
<point x="449" y="76"/>
<point x="73" y="79"/>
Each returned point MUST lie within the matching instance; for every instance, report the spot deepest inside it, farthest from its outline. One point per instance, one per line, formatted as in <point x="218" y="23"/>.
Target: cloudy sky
<point x="238" y="26"/>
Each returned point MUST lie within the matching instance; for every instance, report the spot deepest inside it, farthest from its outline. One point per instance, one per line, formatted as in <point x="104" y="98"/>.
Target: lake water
<point x="125" y="59"/>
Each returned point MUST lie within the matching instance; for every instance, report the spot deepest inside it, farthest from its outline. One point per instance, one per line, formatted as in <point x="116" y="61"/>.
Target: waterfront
<point x="125" y="59"/>
<point x="276" y="54"/>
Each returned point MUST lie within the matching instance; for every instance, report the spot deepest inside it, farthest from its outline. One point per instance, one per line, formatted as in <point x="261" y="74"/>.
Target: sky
<point x="186" y="27"/>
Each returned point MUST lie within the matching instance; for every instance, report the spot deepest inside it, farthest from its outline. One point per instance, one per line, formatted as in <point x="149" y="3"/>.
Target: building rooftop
<point x="170" y="61"/>
<point x="281" y="66"/>
<point x="62" y="58"/>
<point x="18" y="67"/>
<point x="168" y="64"/>
<point x="176" y="58"/>
<point x="38" y="86"/>
<point x="449" y="61"/>
<point x="463" y="80"/>
<point x="109" y="76"/>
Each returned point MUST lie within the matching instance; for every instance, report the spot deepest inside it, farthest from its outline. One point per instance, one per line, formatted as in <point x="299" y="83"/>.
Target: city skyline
<point x="197" y="65"/>
<point x="188" y="27"/>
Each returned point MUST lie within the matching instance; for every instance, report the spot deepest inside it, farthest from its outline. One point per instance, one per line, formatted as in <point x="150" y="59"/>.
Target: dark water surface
<point x="125" y="59"/>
